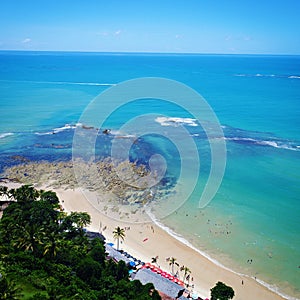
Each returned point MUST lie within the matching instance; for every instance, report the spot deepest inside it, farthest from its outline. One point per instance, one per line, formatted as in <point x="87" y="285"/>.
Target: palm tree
<point x="172" y="262"/>
<point x="186" y="271"/>
<point x="9" y="290"/>
<point x="154" y="260"/>
<point x="25" y="194"/>
<point x="53" y="243"/>
<point x="28" y="237"/>
<point x="119" y="233"/>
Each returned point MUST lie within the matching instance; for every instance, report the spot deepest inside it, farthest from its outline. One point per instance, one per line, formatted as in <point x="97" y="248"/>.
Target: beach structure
<point x="93" y="235"/>
<point x="115" y="254"/>
<point x="160" y="283"/>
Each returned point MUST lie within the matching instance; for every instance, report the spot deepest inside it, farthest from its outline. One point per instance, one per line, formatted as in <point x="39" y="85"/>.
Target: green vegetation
<point x="221" y="292"/>
<point x="172" y="262"/>
<point x="45" y="254"/>
<point x="119" y="233"/>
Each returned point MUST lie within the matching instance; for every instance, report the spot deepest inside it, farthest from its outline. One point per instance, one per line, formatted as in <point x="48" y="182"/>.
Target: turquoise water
<point x="255" y="214"/>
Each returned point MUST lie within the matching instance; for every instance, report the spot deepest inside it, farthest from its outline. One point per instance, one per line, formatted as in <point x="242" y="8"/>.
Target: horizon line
<point x="147" y="52"/>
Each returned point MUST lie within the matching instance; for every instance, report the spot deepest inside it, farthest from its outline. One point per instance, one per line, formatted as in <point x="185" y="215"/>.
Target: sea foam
<point x="176" y="121"/>
<point x="6" y="134"/>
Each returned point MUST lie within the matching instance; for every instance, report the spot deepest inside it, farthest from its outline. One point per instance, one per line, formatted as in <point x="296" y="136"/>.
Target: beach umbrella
<point x="110" y="244"/>
<point x="132" y="264"/>
<point x="147" y="265"/>
<point x="155" y="269"/>
<point x="174" y="279"/>
<point x="181" y="283"/>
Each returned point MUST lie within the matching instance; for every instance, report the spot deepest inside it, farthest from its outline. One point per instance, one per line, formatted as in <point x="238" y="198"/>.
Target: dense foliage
<point x="221" y="292"/>
<point x="47" y="249"/>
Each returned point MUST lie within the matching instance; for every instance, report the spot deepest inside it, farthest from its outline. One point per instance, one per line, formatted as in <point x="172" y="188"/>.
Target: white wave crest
<point x="271" y="143"/>
<point x="60" y="129"/>
<point x="268" y="75"/>
<point x="6" y="134"/>
<point x="176" y="121"/>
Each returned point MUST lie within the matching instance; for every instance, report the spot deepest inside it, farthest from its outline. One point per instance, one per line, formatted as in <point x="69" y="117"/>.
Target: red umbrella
<point x="147" y="265"/>
<point x="180" y="282"/>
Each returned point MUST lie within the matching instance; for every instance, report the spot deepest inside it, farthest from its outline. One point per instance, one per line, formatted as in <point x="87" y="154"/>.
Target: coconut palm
<point x="28" y="237"/>
<point x="186" y="271"/>
<point x="154" y="260"/>
<point x="119" y="233"/>
<point x="172" y="262"/>
<point x="9" y="290"/>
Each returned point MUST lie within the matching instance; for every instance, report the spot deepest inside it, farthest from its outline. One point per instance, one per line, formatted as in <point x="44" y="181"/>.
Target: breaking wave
<point x="268" y="75"/>
<point x="176" y="121"/>
<point x="6" y="134"/>
<point x="60" y="129"/>
<point x="281" y="144"/>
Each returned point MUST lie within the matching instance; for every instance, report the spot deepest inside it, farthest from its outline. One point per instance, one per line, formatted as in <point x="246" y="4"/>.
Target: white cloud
<point x="26" y="41"/>
<point x="118" y="32"/>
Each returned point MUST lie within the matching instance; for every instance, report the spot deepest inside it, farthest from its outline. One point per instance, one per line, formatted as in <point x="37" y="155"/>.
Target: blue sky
<point x="197" y="26"/>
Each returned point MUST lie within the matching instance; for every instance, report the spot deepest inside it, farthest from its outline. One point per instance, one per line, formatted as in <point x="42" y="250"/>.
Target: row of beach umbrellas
<point x="163" y="273"/>
<point x="135" y="261"/>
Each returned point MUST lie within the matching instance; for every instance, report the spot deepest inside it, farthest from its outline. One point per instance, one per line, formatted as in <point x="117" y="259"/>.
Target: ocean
<point x="252" y="224"/>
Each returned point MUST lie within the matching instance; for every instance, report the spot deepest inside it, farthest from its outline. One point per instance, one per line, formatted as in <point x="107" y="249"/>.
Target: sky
<point x="166" y="26"/>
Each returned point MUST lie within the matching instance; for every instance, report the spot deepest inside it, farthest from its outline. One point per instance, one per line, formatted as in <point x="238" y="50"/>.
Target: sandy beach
<point x="147" y="240"/>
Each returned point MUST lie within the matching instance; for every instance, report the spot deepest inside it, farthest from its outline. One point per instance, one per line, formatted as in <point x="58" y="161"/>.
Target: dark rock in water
<point x="88" y="127"/>
<point x="20" y="158"/>
<point x="106" y="131"/>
